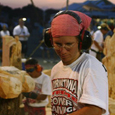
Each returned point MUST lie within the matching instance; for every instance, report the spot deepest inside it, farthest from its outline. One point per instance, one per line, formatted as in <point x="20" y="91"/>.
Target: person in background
<point x="4" y="31"/>
<point x="79" y="80"/>
<point x="97" y="46"/>
<point x="37" y="100"/>
<point x="22" y="32"/>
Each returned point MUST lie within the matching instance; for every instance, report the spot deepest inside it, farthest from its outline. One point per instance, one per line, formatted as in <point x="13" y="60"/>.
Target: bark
<point x="11" y="106"/>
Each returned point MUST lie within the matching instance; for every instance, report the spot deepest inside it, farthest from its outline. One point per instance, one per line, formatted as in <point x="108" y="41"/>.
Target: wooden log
<point x="11" y="106"/>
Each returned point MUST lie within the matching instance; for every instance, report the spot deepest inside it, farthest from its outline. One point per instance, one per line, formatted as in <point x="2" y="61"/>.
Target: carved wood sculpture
<point x="15" y="59"/>
<point x="12" y="83"/>
<point x="11" y="54"/>
<point x="109" y="62"/>
<point x="10" y="101"/>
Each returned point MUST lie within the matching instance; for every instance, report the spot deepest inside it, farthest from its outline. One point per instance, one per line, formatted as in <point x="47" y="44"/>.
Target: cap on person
<point x="104" y="26"/>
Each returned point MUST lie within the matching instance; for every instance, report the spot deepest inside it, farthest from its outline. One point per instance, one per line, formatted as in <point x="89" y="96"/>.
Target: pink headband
<point x="30" y="66"/>
<point x="66" y="25"/>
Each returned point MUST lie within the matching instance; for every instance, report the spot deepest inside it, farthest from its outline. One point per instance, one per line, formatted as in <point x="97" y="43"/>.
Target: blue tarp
<point x="95" y="8"/>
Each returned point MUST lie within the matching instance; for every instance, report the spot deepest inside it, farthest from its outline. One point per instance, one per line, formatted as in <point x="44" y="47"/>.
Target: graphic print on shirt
<point x="37" y="89"/>
<point x="64" y="100"/>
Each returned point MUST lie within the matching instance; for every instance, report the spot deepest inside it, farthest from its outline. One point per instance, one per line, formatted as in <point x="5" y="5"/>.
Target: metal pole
<point x="32" y="2"/>
<point x="67" y="2"/>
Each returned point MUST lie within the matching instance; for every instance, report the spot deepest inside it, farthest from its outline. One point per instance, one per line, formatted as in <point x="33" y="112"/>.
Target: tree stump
<point x="11" y="106"/>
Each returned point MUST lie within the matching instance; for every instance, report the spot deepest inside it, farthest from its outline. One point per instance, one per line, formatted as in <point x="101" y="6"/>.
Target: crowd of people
<point x="22" y="31"/>
<point x="19" y="30"/>
<point x="79" y="83"/>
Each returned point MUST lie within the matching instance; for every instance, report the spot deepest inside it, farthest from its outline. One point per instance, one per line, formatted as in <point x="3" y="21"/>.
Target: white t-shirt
<point x="21" y="31"/>
<point x="3" y="33"/>
<point x="98" y="37"/>
<point x="42" y="86"/>
<point x="83" y="82"/>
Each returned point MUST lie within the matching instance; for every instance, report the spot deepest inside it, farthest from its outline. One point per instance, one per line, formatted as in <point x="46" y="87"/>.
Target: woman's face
<point x="67" y="48"/>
